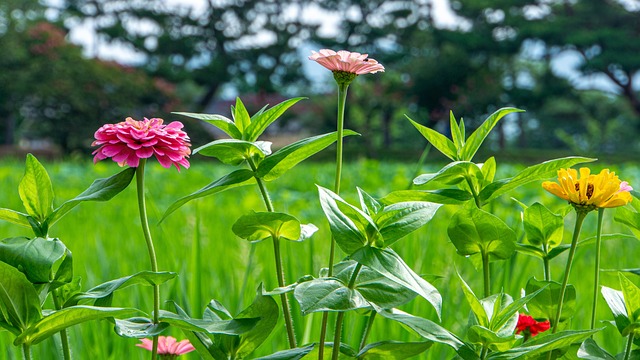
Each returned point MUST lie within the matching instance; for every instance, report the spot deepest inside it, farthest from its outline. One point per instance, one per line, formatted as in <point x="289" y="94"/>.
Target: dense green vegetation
<point x="197" y="242"/>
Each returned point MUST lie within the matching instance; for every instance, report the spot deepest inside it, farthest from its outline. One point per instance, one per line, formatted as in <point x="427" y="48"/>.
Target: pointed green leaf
<point x="452" y="174"/>
<point x="18" y="298"/>
<point x="631" y="295"/>
<point x="443" y="196"/>
<point x="237" y="178"/>
<point x="615" y="301"/>
<point x="474" y="231"/>
<point x="291" y="354"/>
<point x="508" y="312"/>
<point x="14" y="217"/>
<point x="258" y="226"/>
<point x="289" y="156"/>
<point x="223" y="123"/>
<point x="456" y="134"/>
<point x="545" y="304"/>
<point x="100" y="190"/>
<point x="439" y="141"/>
<point x="476" y="307"/>
<point x="529" y="250"/>
<point x="105" y="290"/>
<point x="488" y="168"/>
<point x="260" y="122"/>
<point x="201" y="341"/>
<point x="398" y="220"/>
<point x="264" y="308"/>
<point x="543" y="343"/>
<point x="368" y="204"/>
<point x="481" y="335"/>
<point x="431" y="331"/>
<point x="542" y="226"/>
<point x="629" y="218"/>
<point x="327" y="294"/>
<point x="241" y="117"/>
<point x="537" y="172"/>
<point x="40" y="259"/>
<point x="591" y="351"/>
<point x="235" y="152"/>
<point x="348" y="224"/>
<point x="390" y="265"/>
<point x="36" y="191"/>
<point x="477" y="137"/>
<point x="393" y="350"/>
<point x="138" y="327"/>
<point x="227" y="327"/>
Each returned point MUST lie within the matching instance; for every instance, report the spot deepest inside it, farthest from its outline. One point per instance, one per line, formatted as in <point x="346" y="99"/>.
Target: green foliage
<point x="258" y="226"/>
<point x="545" y="305"/>
<point x="475" y="231"/>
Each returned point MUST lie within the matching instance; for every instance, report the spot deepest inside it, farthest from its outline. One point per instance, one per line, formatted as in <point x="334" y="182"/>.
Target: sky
<point x="564" y="65"/>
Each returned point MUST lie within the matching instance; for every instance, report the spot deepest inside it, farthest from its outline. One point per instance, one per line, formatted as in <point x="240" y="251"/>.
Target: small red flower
<point x="530" y="326"/>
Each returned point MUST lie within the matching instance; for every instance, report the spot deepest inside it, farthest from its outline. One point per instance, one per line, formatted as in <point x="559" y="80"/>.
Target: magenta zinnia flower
<point x="346" y="61"/>
<point x="168" y="345"/>
<point x="129" y="141"/>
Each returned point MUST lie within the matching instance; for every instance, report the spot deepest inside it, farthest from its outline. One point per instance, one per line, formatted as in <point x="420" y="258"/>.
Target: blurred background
<point x="69" y="66"/>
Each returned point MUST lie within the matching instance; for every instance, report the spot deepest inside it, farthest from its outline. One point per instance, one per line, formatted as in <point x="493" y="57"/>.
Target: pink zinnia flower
<point x="129" y="141"/>
<point x="349" y="62"/>
<point x="168" y="345"/>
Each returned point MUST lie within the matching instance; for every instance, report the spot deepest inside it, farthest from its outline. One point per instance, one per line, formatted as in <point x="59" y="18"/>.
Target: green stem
<point x="286" y="311"/>
<point x="485" y="351"/>
<point x="545" y="260"/>
<point x="596" y="280"/>
<point x="627" y="353"/>
<point x="152" y="252"/>
<point x="342" y="101"/>
<point x="474" y="192"/>
<point x="421" y="161"/>
<point x="486" y="273"/>
<point x="26" y="352"/>
<point x="64" y="338"/>
<point x="367" y="330"/>
<point x="572" y="251"/>
<point x="335" y="352"/>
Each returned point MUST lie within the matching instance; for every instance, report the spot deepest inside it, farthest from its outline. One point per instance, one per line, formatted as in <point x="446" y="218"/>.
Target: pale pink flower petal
<point x="129" y="141"/>
<point x="624" y="186"/>
<point x="350" y="62"/>
<point x="168" y="345"/>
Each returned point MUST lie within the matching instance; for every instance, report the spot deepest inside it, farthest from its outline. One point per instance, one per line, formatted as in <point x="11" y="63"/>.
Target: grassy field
<point x="212" y="262"/>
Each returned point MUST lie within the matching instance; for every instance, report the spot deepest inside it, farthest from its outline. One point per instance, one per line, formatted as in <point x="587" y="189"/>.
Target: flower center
<point x="590" y="189"/>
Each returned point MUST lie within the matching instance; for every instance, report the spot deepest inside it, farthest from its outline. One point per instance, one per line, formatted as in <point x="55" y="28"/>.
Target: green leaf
<point x="348" y="224"/>
<point x="430" y="331"/>
<point x="327" y="294"/>
<point x="615" y="301"/>
<point x="476" y="139"/>
<point x="235" y="152"/>
<point x="138" y="327"/>
<point x="537" y="172"/>
<point x="475" y="231"/>
<point x="543" y="343"/>
<point x="530" y="250"/>
<point x="542" y="226"/>
<point x="235" y="179"/>
<point x="368" y="204"/>
<point x="390" y="265"/>
<point x="227" y="327"/>
<point x="439" y="141"/>
<point x="591" y="351"/>
<point x="393" y="350"/>
<point x="510" y="311"/>
<point x="264" y="308"/>
<point x="14" y="217"/>
<point x="241" y="117"/>
<point x="223" y="123"/>
<point x="35" y="189"/>
<point x="62" y="319"/>
<point x="258" y="226"/>
<point x="100" y="190"/>
<point x="398" y="220"/>
<point x="373" y="286"/>
<point x="452" y="174"/>
<point x="291" y="354"/>
<point x="545" y="304"/>
<point x="442" y="196"/>
<point x="289" y="156"/>
<point x="103" y="292"/>
<point x="456" y="134"/>
<point x="488" y="168"/>
<point x="260" y="122"/>
<point x="476" y="307"/>
<point x="481" y="335"/>
<point x="18" y="298"/>
<point x="629" y="218"/>
<point x="201" y="341"/>
<point x="631" y="295"/>
<point x="40" y="259"/>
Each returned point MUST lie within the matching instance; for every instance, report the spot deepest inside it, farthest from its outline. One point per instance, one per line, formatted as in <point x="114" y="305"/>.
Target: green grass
<point x="197" y="242"/>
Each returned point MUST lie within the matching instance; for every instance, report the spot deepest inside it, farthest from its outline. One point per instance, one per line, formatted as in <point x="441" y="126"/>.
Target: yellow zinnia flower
<point x="590" y="191"/>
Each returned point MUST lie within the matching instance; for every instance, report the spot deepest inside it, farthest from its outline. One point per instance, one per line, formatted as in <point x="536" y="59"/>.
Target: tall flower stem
<point x="26" y="352"/>
<point x="152" y="252"/>
<point x="367" y="329"/>
<point x="627" y="352"/>
<point x="286" y="311"/>
<point x="64" y="338"/>
<point x="342" y="101"/>
<point x="486" y="272"/>
<point x="338" y="331"/>
<point x="545" y="261"/>
<point x="596" y="278"/>
<point x="580" y="216"/>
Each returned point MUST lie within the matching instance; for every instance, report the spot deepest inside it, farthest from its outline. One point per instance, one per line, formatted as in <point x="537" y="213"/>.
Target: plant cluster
<point x="370" y="279"/>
